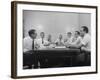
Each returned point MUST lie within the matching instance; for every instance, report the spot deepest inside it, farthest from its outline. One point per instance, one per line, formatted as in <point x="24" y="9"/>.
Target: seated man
<point x="68" y="39"/>
<point x="42" y="42"/>
<point x="29" y="45"/>
<point x="59" y="41"/>
<point x="85" y="41"/>
<point x="85" y="45"/>
<point x="49" y="38"/>
<point x="51" y="44"/>
<point x="76" y="39"/>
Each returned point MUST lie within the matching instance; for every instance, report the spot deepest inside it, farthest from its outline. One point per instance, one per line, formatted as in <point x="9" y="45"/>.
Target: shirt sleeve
<point x="25" y="44"/>
<point x="77" y="41"/>
<point x="85" y="40"/>
<point x="56" y="41"/>
<point x="46" y="42"/>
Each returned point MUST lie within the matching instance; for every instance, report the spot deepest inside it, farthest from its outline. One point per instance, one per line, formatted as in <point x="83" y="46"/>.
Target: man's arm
<point x="77" y="43"/>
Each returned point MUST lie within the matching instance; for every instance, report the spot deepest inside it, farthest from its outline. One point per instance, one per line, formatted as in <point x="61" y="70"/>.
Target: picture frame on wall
<point x="51" y="39"/>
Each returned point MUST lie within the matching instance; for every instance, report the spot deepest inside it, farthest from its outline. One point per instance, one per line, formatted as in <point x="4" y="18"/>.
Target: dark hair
<point x="69" y="33"/>
<point x="32" y="31"/>
<point x="78" y="32"/>
<point x="42" y="33"/>
<point x="85" y="28"/>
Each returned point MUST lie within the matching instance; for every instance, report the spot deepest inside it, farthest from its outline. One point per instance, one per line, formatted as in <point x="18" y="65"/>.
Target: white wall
<point x="5" y="41"/>
<point x="85" y="20"/>
<point x="54" y="23"/>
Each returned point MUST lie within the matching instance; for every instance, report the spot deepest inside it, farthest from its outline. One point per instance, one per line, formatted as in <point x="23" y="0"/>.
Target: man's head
<point x="77" y="33"/>
<point x="60" y="36"/>
<point x="69" y="34"/>
<point x="32" y="33"/>
<point x="49" y="36"/>
<point x="42" y="34"/>
<point x="84" y="30"/>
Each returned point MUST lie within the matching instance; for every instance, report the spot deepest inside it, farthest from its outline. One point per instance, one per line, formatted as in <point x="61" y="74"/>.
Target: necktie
<point x="42" y="41"/>
<point x="33" y="44"/>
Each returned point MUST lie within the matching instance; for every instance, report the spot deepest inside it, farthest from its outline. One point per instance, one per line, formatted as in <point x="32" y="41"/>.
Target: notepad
<point x="60" y="47"/>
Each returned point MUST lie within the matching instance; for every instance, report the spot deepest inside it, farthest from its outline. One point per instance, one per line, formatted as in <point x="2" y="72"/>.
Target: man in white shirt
<point x="86" y="41"/>
<point x="68" y="39"/>
<point x="51" y="44"/>
<point x="49" y="39"/>
<point x="28" y="41"/>
<point x="85" y="45"/>
<point x="76" y="39"/>
<point x="29" y="44"/>
<point x="42" y="42"/>
<point x="59" y="41"/>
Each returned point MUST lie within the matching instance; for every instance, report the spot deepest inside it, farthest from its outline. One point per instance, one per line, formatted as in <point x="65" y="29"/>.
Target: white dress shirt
<point x="27" y="43"/>
<point x="86" y="41"/>
<point x="59" y="42"/>
<point x="68" y="40"/>
<point x="42" y="43"/>
<point x="76" y="41"/>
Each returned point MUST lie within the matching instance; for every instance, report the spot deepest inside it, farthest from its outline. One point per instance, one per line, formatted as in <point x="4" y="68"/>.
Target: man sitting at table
<point x="85" y="45"/>
<point x="68" y="39"/>
<point x="51" y="44"/>
<point x="42" y="42"/>
<point x="59" y="41"/>
<point x="75" y="40"/>
<point x="49" y="39"/>
<point x="29" y="44"/>
<point x="86" y="39"/>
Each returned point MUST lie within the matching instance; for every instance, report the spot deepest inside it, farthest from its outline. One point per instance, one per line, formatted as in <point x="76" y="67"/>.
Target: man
<point x="29" y="45"/>
<point x="42" y="42"/>
<point x="76" y="39"/>
<point x="85" y="45"/>
<point x="51" y="44"/>
<point x="49" y="38"/>
<point x="68" y="39"/>
<point x="28" y="41"/>
<point x="59" y="41"/>
<point x="86" y="40"/>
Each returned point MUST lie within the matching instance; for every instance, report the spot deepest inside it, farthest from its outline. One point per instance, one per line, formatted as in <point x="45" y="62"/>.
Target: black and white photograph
<point x="53" y="39"/>
<point x="56" y="39"/>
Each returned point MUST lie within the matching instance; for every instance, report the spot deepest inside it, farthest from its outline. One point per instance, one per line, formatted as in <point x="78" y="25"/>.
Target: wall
<point x="85" y="20"/>
<point x="54" y="23"/>
<point x="5" y="41"/>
